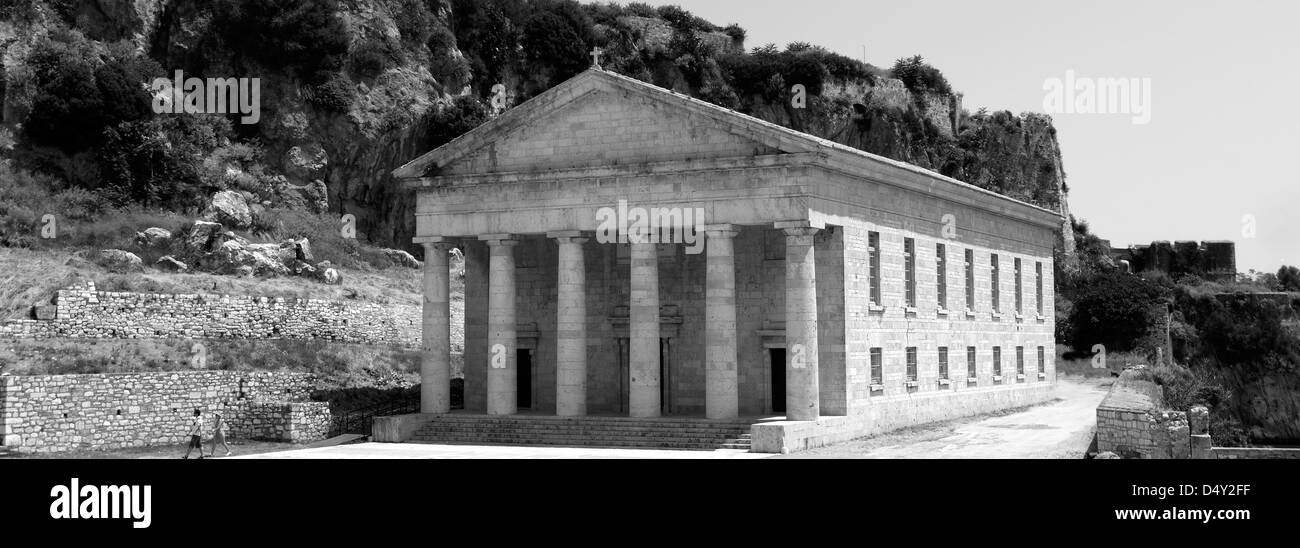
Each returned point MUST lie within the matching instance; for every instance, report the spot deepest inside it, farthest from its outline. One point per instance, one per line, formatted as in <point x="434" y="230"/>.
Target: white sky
<point x="1223" y="118"/>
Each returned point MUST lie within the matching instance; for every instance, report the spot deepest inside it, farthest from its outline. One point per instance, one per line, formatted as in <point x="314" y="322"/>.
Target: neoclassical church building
<point x="635" y="253"/>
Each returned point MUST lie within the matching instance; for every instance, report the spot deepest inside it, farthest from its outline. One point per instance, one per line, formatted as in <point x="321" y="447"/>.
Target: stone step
<point x="539" y="428"/>
<point x="586" y="442"/>
<point x="593" y="422"/>
<point x="522" y="436"/>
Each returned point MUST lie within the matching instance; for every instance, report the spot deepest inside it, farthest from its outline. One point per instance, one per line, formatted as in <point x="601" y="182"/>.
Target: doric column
<point x="571" y="326"/>
<point x="802" y="401"/>
<point x="721" y="391"/>
<point x="502" y="370"/>
<point x="435" y="351"/>
<point x="643" y="355"/>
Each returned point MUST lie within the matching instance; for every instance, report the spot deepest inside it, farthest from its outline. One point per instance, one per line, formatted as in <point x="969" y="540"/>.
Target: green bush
<point x="919" y="76"/>
<point x="305" y="37"/>
<point x="462" y="115"/>
<point x="1113" y="309"/>
<point x="335" y="94"/>
<point x="372" y="57"/>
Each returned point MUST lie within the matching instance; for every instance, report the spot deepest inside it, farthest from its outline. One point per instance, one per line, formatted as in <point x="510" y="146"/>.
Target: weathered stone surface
<point x="63" y="412"/>
<point x="331" y="277"/>
<point x="84" y="313"/>
<point x="202" y="234"/>
<point x="302" y="249"/>
<point x="153" y="237"/>
<point x="306" y="162"/>
<point x="116" y="260"/>
<point x="401" y="258"/>
<point x="1107" y="455"/>
<point x="170" y="264"/>
<point x="229" y="208"/>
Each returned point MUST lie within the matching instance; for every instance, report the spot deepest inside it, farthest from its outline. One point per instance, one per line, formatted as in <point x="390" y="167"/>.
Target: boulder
<point x="234" y="254"/>
<point x="332" y="277"/>
<point x="201" y="236"/>
<point x="116" y="260"/>
<point x="1106" y="456"/>
<point x="306" y="162"/>
<point x="170" y="264"/>
<point x="153" y="238"/>
<point x="229" y="208"/>
<point x="301" y="249"/>
<point x="304" y="269"/>
<point x="401" y="258"/>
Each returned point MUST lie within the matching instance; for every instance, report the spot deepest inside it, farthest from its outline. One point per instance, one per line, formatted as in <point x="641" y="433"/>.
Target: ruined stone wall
<point x="1213" y="260"/>
<point x="1132" y="421"/>
<point x="83" y="312"/>
<point x="41" y="414"/>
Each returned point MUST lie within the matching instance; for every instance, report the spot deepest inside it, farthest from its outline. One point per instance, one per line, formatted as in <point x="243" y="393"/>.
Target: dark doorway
<point x="524" y="378"/>
<point x="778" y="379"/>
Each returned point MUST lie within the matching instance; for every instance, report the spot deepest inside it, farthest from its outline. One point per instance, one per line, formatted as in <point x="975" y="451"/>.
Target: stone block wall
<point x="83" y="312"/>
<point x="50" y="413"/>
<point x="1133" y="423"/>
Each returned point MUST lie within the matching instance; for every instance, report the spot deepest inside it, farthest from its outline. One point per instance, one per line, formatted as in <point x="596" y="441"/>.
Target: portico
<point x="571" y="313"/>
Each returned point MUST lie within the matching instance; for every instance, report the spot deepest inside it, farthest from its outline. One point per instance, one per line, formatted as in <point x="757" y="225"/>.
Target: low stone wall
<point x="1256" y="453"/>
<point x="114" y="411"/>
<point x="886" y="415"/>
<point x="1133" y="423"/>
<point x="298" y="422"/>
<point x="83" y="312"/>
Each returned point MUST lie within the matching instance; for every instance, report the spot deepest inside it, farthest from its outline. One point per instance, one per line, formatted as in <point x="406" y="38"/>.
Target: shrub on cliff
<point x="919" y="76"/>
<point x="305" y="37"/>
<point x="1113" y="309"/>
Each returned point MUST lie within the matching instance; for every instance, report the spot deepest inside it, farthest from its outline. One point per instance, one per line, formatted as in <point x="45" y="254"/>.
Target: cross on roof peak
<point x="595" y="57"/>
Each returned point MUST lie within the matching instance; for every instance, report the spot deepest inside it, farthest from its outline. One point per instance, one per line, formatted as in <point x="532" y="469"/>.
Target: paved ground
<point x="1059" y="430"/>
<point x="436" y="451"/>
<point x="1062" y="429"/>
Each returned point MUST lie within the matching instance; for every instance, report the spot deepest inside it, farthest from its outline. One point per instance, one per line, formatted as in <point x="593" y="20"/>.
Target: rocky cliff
<point x="352" y="89"/>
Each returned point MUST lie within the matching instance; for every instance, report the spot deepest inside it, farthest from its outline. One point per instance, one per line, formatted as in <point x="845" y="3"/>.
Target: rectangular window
<point x="1042" y="361"/>
<point x="997" y="361"/>
<point x="971" y="370"/>
<point x="970" y="279"/>
<point x="943" y="363"/>
<point x="997" y="293"/>
<point x="1020" y="302"/>
<point x="941" y="271"/>
<point x="873" y="268"/>
<point x="1020" y="360"/>
<point x="909" y="264"/>
<point x="1038" y="286"/>
<point x="877" y="366"/>
<point x="911" y="364"/>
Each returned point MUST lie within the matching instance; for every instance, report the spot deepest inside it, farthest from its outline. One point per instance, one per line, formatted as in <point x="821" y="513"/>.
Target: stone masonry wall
<point x="83" y="312"/>
<point x="1132" y="421"/>
<point x="66" y="412"/>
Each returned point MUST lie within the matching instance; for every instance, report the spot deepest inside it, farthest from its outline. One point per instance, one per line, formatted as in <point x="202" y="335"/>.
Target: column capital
<point x="570" y="236"/>
<point x="721" y="231"/>
<point x="499" y="240"/>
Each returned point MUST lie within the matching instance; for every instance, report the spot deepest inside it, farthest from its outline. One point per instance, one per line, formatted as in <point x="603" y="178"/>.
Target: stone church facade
<point x="783" y="275"/>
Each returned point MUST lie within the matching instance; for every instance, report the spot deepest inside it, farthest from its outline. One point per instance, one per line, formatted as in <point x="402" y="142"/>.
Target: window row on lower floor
<point x="972" y="369"/>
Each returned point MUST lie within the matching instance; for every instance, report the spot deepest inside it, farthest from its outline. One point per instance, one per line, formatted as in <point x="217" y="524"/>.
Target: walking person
<point x="219" y="436"/>
<point x="196" y="434"/>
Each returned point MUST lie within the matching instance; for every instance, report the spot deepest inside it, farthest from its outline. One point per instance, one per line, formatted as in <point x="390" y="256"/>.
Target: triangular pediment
<point x="600" y="119"/>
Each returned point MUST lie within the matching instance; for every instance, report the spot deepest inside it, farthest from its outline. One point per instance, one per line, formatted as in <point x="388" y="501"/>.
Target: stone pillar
<point x="502" y="370"/>
<point x="643" y="354"/>
<point x="571" y="327"/>
<point x="435" y="355"/>
<point x="721" y="391"/>
<point x="802" y="398"/>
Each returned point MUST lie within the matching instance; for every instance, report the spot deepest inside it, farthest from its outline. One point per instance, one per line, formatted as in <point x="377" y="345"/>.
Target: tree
<point x="920" y="77"/>
<point x="1288" y="278"/>
<point x="1114" y="309"/>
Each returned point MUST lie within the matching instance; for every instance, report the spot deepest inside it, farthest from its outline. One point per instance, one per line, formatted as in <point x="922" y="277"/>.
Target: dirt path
<point x="1061" y="429"/>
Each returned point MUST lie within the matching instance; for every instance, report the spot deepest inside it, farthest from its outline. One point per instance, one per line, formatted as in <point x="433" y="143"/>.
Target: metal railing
<point x="362" y="420"/>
